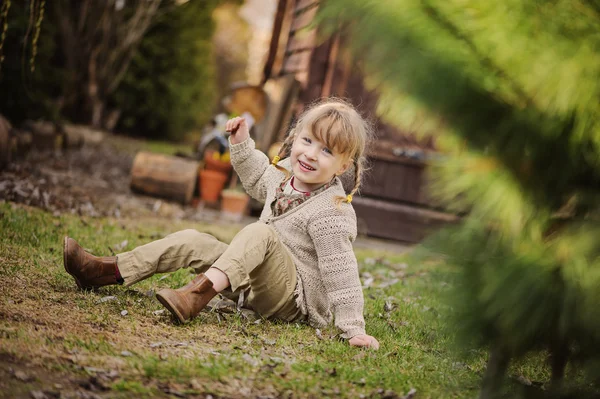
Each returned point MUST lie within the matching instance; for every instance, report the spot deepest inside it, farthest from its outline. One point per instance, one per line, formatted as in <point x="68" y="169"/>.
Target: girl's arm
<point x="332" y="235"/>
<point x="251" y="165"/>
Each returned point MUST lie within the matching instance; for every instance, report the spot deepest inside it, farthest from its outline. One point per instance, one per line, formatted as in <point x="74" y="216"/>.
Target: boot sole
<point x="65" y="264"/>
<point x="165" y="302"/>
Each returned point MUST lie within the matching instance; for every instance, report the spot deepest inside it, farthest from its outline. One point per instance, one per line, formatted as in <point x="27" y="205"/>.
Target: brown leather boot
<point x="89" y="271"/>
<point x="186" y="302"/>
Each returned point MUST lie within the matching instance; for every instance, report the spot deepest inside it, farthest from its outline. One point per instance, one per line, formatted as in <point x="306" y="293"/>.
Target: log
<point x="164" y="176"/>
<point x="44" y="134"/>
<point x="76" y="136"/>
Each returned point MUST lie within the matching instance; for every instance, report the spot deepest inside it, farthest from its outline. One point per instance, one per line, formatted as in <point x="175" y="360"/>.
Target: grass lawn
<point x="59" y="340"/>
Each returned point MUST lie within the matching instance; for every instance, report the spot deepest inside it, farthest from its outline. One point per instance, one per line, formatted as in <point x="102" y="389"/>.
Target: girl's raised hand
<point x="238" y="128"/>
<point x="364" y="340"/>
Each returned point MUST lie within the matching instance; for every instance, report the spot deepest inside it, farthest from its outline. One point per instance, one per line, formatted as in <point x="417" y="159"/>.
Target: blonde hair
<point x="340" y="127"/>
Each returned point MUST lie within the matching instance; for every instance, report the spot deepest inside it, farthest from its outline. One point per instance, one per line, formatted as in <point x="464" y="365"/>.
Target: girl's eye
<point x="307" y="140"/>
<point x="328" y="151"/>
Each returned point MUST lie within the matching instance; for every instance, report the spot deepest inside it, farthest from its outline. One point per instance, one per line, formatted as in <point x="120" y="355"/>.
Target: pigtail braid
<point x="358" y="169"/>
<point x="357" y="179"/>
<point x="284" y="152"/>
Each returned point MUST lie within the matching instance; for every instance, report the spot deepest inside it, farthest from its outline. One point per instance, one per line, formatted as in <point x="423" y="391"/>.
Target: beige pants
<point x="256" y="263"/>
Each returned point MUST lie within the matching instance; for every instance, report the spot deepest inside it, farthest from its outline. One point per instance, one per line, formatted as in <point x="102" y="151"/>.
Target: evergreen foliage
<point x="169" y="87"/>
<point x="511" y="91"/>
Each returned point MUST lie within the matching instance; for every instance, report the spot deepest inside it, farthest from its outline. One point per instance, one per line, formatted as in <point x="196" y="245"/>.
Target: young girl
<point x="296" y="263"/>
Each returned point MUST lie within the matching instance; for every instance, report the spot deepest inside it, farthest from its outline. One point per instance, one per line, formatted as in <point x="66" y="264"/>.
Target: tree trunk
<point x="494" y="373"/>
<point x="97" y="111"/>
<point x="559" y="355"/>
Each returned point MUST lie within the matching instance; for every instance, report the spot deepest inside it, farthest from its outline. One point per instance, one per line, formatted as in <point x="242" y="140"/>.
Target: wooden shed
<point x="302" y="67"/>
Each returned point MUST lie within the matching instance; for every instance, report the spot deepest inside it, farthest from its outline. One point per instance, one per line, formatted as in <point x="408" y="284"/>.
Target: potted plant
<point x="234" y="202"/>
<point x="213" y="160"/>
<point x="211" y="185"/>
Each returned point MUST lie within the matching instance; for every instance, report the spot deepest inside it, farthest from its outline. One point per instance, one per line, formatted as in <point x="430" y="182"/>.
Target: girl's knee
<point x="258" y="230"/>
<point x="191" y="235"/>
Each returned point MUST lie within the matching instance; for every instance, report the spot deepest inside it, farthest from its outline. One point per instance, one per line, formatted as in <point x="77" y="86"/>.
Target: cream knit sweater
<point x="319" y="237"/>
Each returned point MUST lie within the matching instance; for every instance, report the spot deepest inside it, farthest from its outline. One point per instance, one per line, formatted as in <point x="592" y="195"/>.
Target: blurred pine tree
<point x="510" y="89"/>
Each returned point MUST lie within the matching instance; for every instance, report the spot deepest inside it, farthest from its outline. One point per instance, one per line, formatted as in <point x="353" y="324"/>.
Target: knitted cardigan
<point x="319" y="238"/>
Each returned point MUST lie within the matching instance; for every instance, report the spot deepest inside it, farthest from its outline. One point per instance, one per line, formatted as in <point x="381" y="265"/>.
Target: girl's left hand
<point x="364" y="340"/>
<point x="239" y="129"/>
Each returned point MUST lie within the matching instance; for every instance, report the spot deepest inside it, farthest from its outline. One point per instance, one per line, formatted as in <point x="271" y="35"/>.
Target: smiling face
<point x="313" y="163"/>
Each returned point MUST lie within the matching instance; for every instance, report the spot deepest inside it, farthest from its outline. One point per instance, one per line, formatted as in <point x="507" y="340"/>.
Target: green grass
<point x="45" y="321"/>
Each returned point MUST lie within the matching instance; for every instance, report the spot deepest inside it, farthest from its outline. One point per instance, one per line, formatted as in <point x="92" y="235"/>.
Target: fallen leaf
<point x="250" y="360"/>
<point x="38" y="395"/>
<point x="524" y="380"/>
<point x="107" y="299"/>
<point x="21" y="376"/>
<point x="319" y="334"/>
<point x="121" y="245"/>
<point x="388" y="283"/>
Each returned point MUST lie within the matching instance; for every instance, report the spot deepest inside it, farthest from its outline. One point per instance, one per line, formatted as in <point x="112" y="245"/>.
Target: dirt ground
<point x="89" y="181"/>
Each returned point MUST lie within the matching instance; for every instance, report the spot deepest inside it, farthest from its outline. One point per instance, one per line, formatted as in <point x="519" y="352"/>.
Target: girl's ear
<point x="344" y="167"/>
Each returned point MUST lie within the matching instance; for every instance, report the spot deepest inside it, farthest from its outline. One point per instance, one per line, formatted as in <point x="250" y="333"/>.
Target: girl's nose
<point x="312" y="153"/>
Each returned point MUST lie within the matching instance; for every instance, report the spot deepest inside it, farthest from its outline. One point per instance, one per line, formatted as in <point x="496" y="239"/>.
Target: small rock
<point x="156" y="344"/>
<point x="411" y="394"/>
<point x="124" y="313"/>
<point x="158" y="312"/>
<point x="126" y="354"/>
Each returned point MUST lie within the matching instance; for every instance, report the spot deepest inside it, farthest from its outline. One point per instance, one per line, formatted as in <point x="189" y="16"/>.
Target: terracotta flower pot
<point x="211" y="184"/>
<point x="234" y="204"/>
<point x="214" y="161"/>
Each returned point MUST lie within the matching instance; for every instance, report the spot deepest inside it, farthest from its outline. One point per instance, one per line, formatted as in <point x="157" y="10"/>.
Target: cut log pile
<point x="42" y="136"/>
